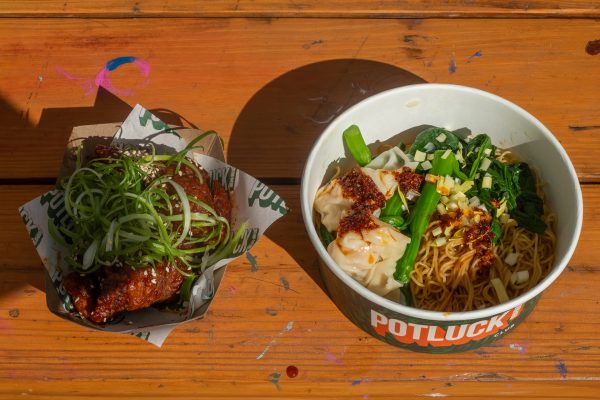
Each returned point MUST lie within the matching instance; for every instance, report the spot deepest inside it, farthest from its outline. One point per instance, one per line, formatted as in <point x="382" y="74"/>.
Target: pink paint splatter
<point x="87" y="84"/>
<point x="103" y="76"/>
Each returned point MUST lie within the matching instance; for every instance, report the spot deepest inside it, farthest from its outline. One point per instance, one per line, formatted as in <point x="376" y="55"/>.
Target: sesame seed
<point x="145" y="272"/>
<point x="153" y="281"/>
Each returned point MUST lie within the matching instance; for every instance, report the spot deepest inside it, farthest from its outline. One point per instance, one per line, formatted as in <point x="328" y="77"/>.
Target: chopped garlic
<point x="426" y="165"/>
<point x="511" y="258"/>
<point x="449" y="182"/>
<point x="519" y="277"/>
<point x="486" y="183"/>
<point x="487" y="152"/>
<point x="501" y="209"/>
<point x="420" y="156"/>
<point x="485" y="164"/>
<point x="504" y="218"/>
<point x="444" y="199"/>
<point x="448" y="231"/>
<point x="441" y="138"/>
<point x="429" y="147"/>
<point x="458" y="196"/>
<point x="430" y="157"/>
<point x="474" y="201"/>
<point x="437" y="231"/>
<point x="441" y="209"/>
<point x="440" y="241"/>
<point x="431" y="178"/>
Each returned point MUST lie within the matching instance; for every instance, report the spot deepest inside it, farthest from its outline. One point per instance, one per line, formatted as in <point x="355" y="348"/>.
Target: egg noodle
<point x="445" y="278"/>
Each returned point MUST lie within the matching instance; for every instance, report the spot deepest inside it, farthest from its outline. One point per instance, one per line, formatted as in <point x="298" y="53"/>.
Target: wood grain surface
<point x="218" y="356"/>
<point x="281" y="80"/>
<point x="269" y="76"/>
<point x="305" y="8"/>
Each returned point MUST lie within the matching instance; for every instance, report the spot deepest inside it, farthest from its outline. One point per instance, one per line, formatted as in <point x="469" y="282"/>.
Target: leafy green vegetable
<point x="530" y="207"/>
<point x="505" y="184"/>
<point x="326" y="236"/>
<point x="393" y="206"/>
<point x="429" y="135"/>
<point x="356" y="145"/>
<point x="516" y="184"/>
<point x="396" y="221"/>
<point x="474" y="152"/>
<point x="422" y="212"/>
<point x="496" y="229"/>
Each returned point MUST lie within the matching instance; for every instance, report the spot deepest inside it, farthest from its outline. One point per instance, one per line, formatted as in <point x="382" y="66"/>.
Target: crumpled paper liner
<point x="252" y="201"/>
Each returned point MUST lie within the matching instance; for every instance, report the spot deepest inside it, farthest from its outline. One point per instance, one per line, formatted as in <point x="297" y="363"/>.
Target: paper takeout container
<point x="252" y="201"/>
<point x="396" y="113"/>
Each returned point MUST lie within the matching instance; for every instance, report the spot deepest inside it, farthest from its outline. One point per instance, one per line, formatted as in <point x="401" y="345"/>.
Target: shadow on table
<point x="58" y="124"/>
<point x="290" y="112"/>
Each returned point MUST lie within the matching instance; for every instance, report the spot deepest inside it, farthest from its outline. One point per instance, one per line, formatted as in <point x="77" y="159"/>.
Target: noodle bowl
<point x="422" y="327"/>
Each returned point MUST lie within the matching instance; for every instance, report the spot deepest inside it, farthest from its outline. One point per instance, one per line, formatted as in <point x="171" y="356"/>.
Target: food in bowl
<point x="143" y="227"/>
<point x="450" y="223"/>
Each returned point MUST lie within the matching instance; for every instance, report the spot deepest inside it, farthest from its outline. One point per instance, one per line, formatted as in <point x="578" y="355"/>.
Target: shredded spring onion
<point x="124" y="211"/>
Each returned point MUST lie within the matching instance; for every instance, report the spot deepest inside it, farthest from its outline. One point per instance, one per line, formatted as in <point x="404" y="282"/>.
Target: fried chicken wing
<point x="82" y="290"/>
<point x="126" y="289"/>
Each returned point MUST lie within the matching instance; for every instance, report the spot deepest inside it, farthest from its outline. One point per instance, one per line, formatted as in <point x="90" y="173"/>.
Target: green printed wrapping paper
<point x="253" y="202"/>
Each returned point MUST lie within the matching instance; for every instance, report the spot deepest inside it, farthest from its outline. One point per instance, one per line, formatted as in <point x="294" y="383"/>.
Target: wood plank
<point x="554" y="354"/>
<point x="299" y="388"/>
<point x="305" y="8"/>
<point x="270" y="86"/>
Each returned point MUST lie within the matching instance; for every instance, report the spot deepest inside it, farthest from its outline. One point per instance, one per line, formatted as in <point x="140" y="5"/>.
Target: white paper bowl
<point x="453" y="107"/>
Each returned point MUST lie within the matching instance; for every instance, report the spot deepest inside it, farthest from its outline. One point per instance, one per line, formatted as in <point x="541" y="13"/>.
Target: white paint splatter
<point x="273" y="341"/>
<point x="434" y="395"/>
<point x="518" y="347"/>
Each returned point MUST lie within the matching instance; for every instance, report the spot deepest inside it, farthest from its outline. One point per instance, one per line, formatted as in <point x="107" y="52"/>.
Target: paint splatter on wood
<point x="561" y="367"/>
<point x="252" y="261"/>
<point x="474" y="55"/>
<point x="274" y="379"/>
<point x="291" y="371"/>
<point x="285" y="283"/>
<point x="452" y="65"/>
<point x="271" y="311"/>
<point x="273" y="341"/>
<point x="14" y="313"/>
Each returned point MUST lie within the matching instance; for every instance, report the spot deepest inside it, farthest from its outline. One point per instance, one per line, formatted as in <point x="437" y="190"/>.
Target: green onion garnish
<point x="123" y="212"/>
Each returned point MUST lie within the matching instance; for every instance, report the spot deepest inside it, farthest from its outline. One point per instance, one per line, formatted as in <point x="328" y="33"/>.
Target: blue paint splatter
<point x="117" y="62"/>
<point x="356" y="382"/>
<point x="561" y="367"/>
<point x="252" y="261"/>
<point x="274" y="379"/>
<point x="452" y="66"/>
<point x="285" y="283"/>
<point x="472" y="56"/>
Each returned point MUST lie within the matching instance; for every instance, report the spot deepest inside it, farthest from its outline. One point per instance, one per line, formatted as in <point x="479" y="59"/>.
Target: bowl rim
<point x="306" y="206"/>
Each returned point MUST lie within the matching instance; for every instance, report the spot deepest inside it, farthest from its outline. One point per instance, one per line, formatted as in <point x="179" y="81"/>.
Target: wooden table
<point x="269" y="75"/>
